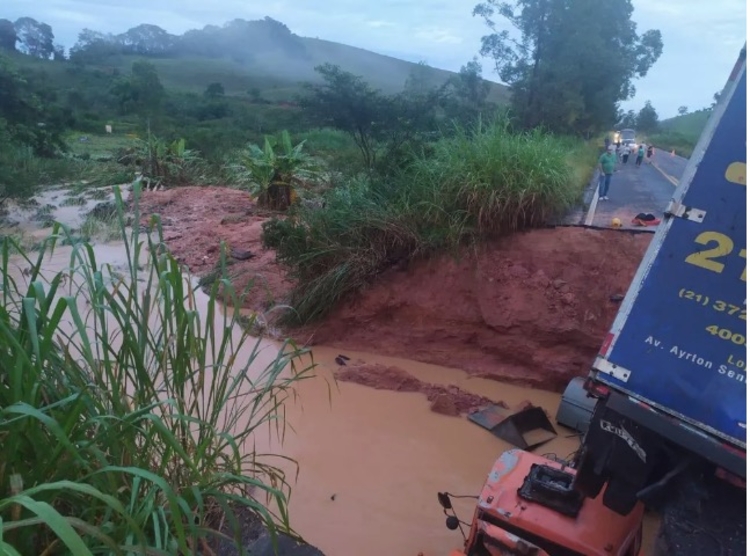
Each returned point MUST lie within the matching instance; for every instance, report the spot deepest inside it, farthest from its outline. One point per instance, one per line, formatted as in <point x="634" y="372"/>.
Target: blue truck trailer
<point x="670" y="379"/>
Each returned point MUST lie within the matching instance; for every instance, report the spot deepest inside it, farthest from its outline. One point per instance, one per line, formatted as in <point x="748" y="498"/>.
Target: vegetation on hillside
<point x="127" y="419"/>
<point x="682" y="132"/>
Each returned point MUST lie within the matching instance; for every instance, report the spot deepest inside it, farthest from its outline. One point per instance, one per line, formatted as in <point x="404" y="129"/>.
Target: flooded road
<point x="385" y="455"/>
<point x="372" y="461"/>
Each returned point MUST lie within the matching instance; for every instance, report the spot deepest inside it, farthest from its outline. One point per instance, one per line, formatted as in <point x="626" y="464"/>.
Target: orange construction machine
<point x="528" y="507"/>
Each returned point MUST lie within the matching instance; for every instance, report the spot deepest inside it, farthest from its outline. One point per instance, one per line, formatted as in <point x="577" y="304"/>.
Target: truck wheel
<point x="619" y="497"/>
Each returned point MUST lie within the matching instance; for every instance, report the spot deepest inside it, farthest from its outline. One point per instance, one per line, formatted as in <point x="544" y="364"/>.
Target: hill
<point x="681" y="133"/>
<point x="244" y="55"/>
<point x="690" y="125"/>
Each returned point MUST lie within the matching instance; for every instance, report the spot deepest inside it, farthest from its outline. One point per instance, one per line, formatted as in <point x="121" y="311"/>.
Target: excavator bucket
<point x="525" y="426"/>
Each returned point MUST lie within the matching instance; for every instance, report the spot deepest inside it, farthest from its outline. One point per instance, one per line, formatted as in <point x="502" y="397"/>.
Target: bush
<point x="471" y="186"/>
<point x="126" y="417"/>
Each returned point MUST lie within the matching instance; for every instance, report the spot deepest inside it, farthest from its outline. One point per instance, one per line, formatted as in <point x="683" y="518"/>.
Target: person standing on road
<point x="649" y="154"/>
<point x="639" y="158"/>
<point x="624" y="153"/>
<point x="607" y="163"/>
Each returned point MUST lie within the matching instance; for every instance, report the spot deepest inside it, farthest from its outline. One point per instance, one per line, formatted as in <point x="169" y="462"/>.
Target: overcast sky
<point x="701" y="37"/>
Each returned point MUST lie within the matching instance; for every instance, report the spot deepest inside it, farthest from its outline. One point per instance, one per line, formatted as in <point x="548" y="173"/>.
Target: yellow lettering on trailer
<point x="736" y="173"/>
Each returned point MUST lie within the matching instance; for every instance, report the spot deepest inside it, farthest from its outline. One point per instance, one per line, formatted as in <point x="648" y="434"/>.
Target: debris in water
<point x="526" y="425"/>
<point x="333" y="496"/>
<point x="340" y="361"/>
<point x="344" y="357"/>
<point x="446" y="400"/>
<point x="616" y="298"/>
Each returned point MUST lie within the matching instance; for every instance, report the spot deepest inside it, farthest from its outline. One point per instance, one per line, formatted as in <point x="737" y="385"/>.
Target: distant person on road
<point x="624" y="153"/>
<point x="639" y="157"/>
<point x="607" y="163"/>
<point x="649" y="154"/>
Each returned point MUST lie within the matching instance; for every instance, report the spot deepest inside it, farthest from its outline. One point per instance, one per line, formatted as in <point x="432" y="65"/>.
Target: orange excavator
<point x="528" y="507"/>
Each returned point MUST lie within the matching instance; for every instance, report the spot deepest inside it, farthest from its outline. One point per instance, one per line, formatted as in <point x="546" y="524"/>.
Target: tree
<point x="345" y="101"/>
<point x="717" y="97"/>
<point x="214" y="90"/>
<point x="418" y="81"/>
<point x="36" y="39"/>
<point x="25" y="103"/>
<point x="93" y="47"/>
<point x="629" y="120"/>
<point x="147" y="40"/>
<point x="569" y="62"/>
<point x="8" y="36"/>
<point x="648" y="119"/>
<point x="682" y="110"/>
<point x="468" y="92"/>
<point x="59" y="53"/>
<point x="141" y="92"/>
<point x="379" y="124"/>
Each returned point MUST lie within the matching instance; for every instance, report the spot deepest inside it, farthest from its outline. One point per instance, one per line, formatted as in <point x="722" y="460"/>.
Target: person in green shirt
<point x="607" y="163"/>
<point x="639" y="158"/>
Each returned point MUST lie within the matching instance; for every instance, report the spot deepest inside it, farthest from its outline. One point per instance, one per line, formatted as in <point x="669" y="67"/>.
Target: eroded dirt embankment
<point x="532" y="308"/>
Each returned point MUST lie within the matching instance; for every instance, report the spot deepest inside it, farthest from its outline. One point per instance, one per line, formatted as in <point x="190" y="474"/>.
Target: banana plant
<point x="274" y="172"/>
<point x="167" y="164"/>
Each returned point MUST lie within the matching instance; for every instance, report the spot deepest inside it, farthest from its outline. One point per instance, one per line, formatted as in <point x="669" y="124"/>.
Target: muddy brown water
<point x="372" y="461"/>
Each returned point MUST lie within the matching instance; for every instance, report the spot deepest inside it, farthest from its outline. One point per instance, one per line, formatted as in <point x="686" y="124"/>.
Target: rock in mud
<point x="444" y="405"/>
<point x="242" y="254"/>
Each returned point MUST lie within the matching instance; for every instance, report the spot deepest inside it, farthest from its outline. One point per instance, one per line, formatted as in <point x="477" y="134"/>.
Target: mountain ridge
<point x="255" y="49"/>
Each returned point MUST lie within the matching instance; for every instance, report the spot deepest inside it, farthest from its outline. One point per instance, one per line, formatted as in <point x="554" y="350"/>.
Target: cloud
<point x="701" y="43"/>
<point x="377" y="24"/>
<point x="438" y="35"/>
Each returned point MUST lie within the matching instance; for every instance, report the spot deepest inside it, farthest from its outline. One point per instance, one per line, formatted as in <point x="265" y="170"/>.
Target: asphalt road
<point x="633" y="190"/>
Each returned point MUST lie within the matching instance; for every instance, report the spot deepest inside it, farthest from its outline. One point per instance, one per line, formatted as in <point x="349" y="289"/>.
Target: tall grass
<point x="472" y="185"/>
<point x="128" y="411"/>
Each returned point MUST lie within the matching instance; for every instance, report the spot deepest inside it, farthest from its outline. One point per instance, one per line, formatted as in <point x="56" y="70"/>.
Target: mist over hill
<point x="263" y="48"/>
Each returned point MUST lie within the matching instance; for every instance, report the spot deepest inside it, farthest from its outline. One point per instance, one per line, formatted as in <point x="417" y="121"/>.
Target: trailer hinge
<point x="688" y="213"/>
<point x="604" y="366"/>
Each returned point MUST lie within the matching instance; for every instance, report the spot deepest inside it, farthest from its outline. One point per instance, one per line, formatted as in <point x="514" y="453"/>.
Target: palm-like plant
<point x="276" y="170"/>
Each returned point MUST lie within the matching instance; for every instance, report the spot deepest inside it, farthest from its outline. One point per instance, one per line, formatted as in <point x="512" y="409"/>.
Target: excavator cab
<point x="528" y="507"/>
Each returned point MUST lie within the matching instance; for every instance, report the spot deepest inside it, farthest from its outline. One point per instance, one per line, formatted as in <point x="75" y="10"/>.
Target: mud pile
<point x="446" y="400"/>
<point x="197" y="219"/>
<point x="530" y="309"/>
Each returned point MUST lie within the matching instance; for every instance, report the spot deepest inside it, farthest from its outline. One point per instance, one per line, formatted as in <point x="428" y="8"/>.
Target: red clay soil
<point x="446" y="400"/>
<point x="197" y="219"/>
<point x="530" y="309"/>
